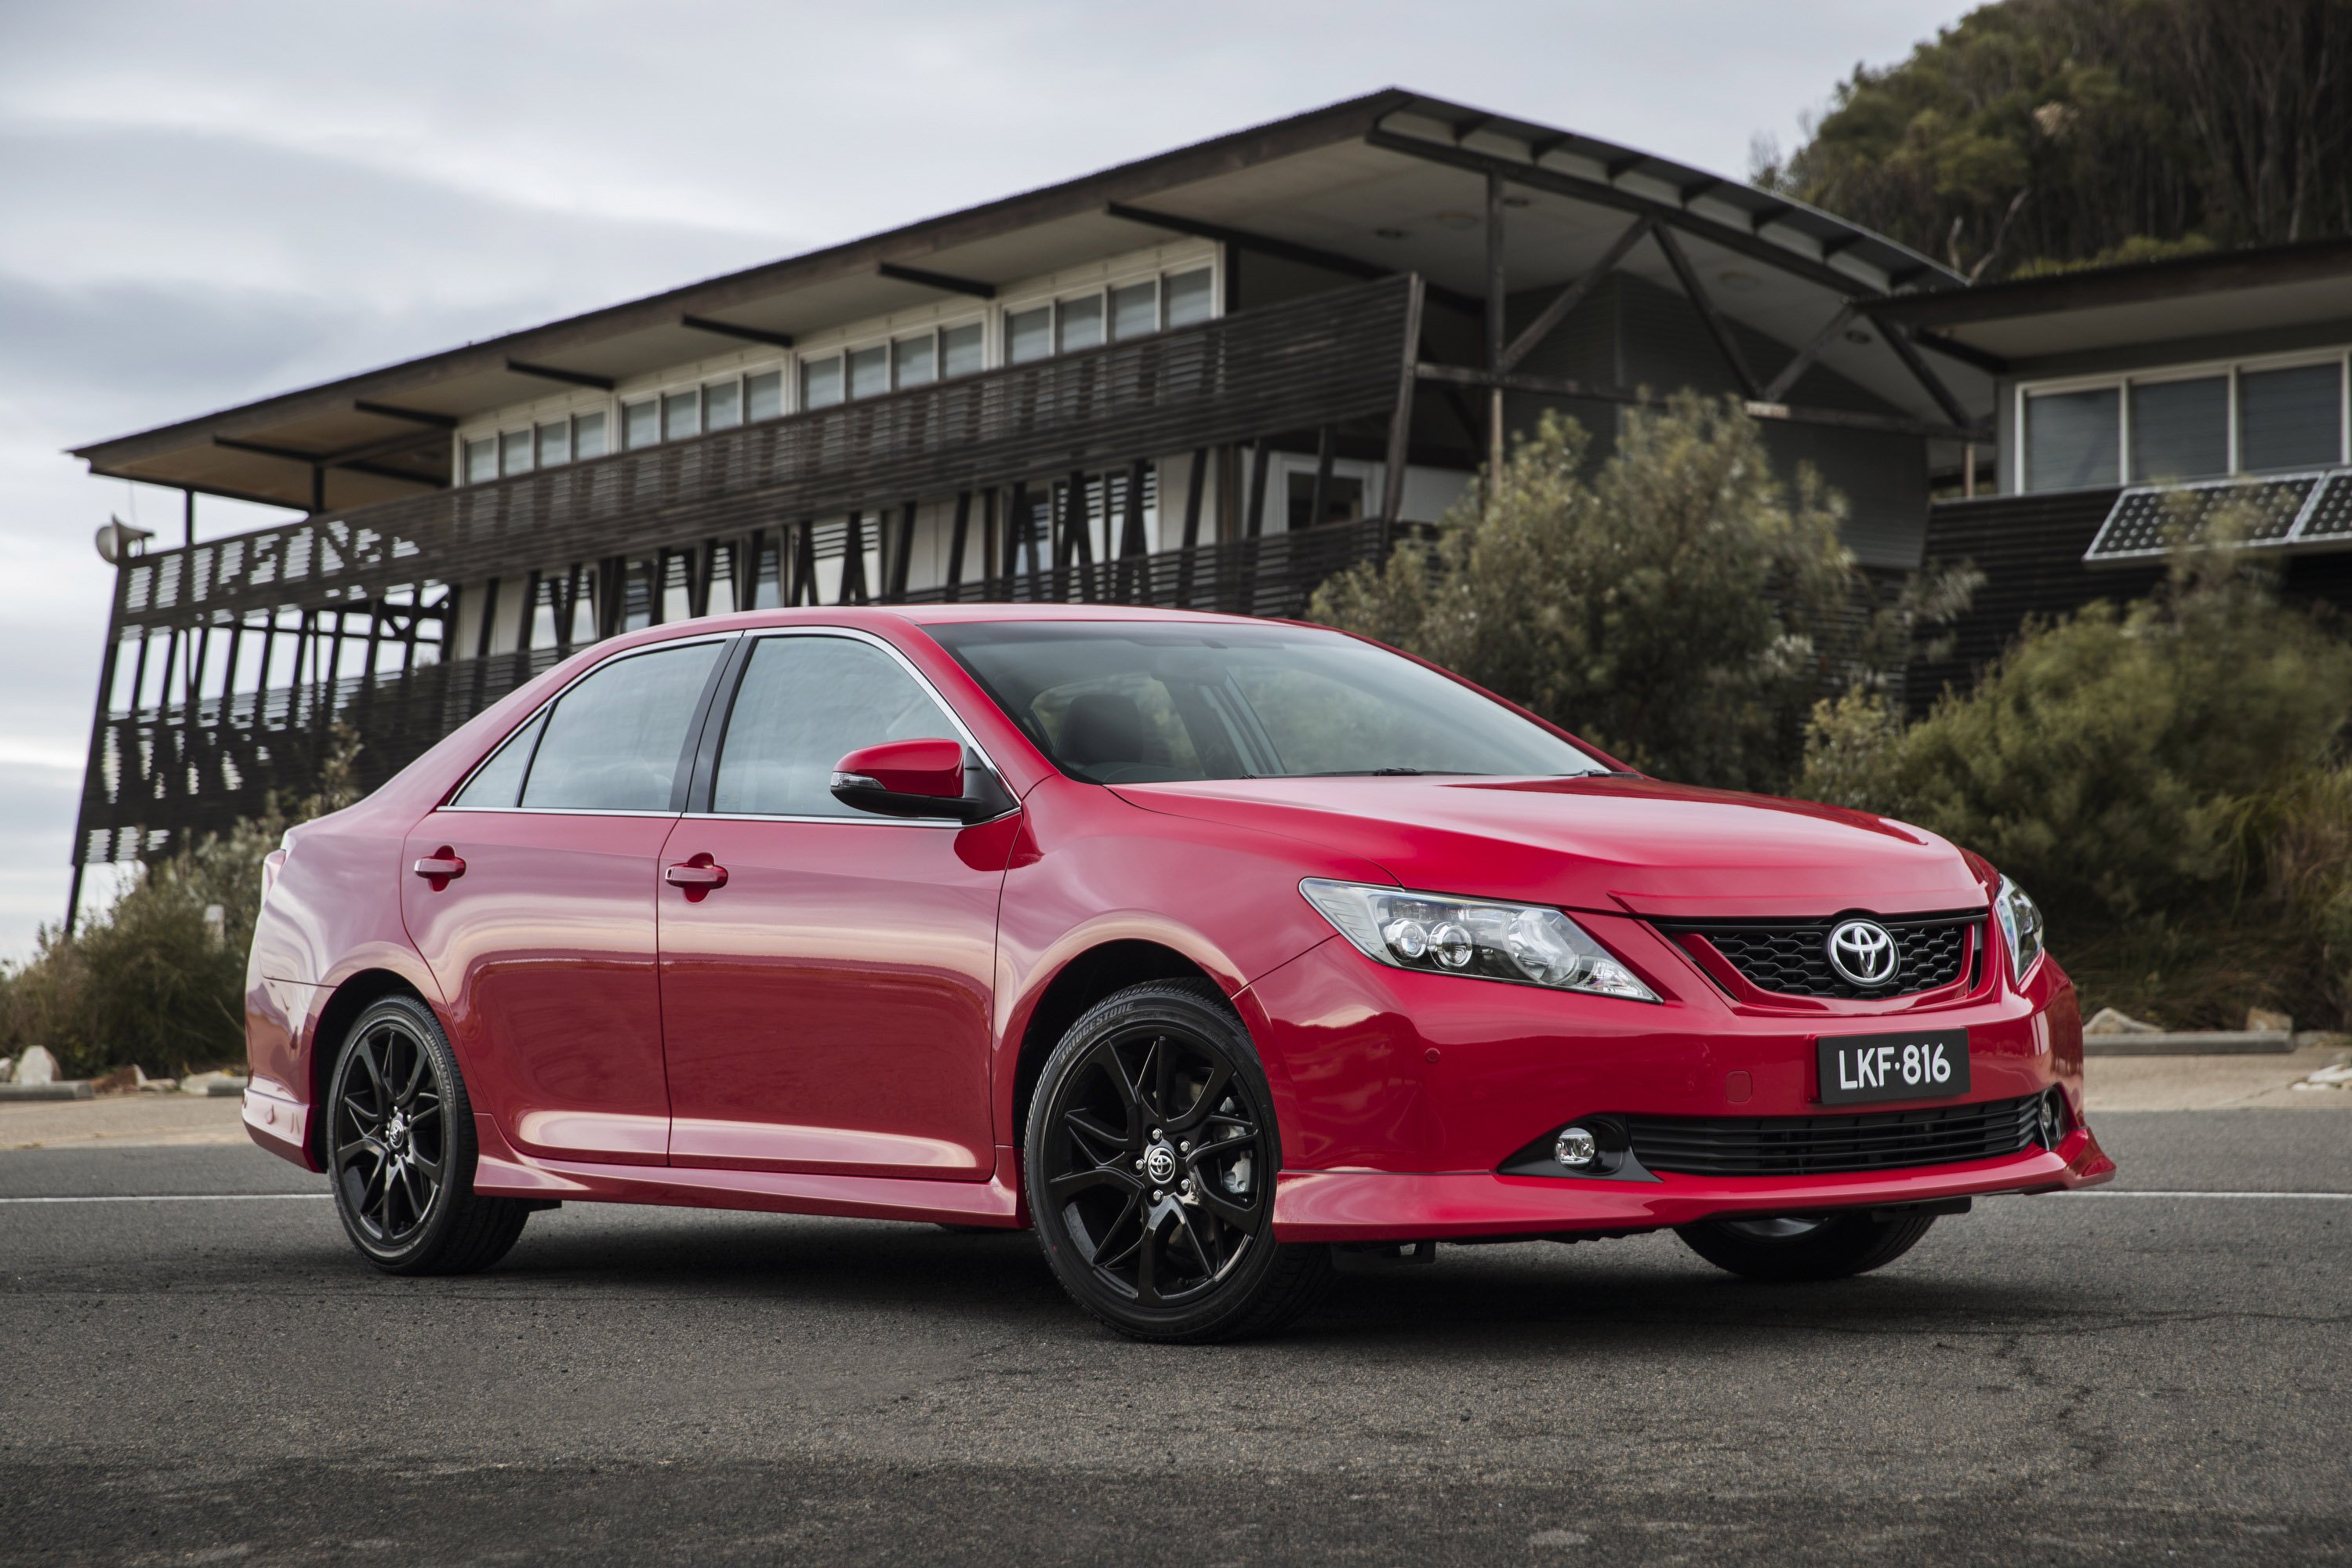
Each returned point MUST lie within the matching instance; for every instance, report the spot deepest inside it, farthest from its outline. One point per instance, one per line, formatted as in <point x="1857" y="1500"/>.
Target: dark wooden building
<point x="2129" y="399"/>
<point x="1208" y="379"/>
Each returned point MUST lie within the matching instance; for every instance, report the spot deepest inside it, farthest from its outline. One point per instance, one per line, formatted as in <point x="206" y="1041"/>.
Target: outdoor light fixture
<point x="1530" y="944"/>
<point x="117" y="540"/>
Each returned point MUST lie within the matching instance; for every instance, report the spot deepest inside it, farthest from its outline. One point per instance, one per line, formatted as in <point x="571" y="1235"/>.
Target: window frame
<point x="2122" y="381"/>
<point x="1052" y="300"/>
<point x="721" y="711"/>
<point x="689" y="758"/>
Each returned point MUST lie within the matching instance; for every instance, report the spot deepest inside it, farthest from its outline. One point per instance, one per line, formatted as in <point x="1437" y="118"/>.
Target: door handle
<point x="697" y="876"/>
<point x="440" y="867"/>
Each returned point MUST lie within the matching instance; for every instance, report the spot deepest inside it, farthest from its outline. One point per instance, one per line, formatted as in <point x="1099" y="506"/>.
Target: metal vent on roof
<point x="2283" y="511"/>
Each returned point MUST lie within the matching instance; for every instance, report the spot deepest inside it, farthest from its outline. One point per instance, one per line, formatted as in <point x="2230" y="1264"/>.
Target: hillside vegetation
<point x="2034" y="135"/>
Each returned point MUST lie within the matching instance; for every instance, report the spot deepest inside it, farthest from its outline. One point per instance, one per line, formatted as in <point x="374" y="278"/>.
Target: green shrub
<point x="2159" y="776"/>
<point x="1679" y="606"/>
<point x="158" y="978"/>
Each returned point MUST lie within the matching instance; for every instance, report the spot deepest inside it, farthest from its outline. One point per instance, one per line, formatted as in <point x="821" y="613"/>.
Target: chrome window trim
<point x="552" y="698"/>
<point x="853" y="634"/>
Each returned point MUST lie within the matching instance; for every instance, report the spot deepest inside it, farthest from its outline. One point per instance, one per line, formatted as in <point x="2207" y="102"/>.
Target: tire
<point x="1161" y="1233"/>
<point x="400" y="1149"/>
<point x="1787" y="1251"/>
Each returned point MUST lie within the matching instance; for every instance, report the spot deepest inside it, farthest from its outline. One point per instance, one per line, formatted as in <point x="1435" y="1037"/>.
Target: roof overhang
<point x="1391" y="182"/>
<point x="2147" y="302"/>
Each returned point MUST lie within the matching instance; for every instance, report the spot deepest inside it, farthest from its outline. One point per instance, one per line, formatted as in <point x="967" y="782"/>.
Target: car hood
<point x="1611" y="844"/>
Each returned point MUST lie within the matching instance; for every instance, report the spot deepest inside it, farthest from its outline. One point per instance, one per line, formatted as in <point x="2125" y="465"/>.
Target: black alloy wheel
<point x="400" y="1149"/>
<point x="1788" y="1250"/>
<point x="1151" y="1162"/>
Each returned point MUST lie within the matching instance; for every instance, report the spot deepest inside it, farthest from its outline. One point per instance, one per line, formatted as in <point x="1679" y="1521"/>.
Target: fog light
<point x="1576" y="1149"/>
<point x="2053" y="1120"/>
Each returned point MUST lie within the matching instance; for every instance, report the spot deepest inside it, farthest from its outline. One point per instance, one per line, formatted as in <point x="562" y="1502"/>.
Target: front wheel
<point x="401" y="1150"/>
<point x="1794" y="1250"/>
<point x="1151" y="1162"/>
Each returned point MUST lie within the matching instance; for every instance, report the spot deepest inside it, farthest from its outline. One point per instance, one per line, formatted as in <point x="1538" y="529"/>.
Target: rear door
<point x="543" y="939"/>
<point x="826" y="1006"/>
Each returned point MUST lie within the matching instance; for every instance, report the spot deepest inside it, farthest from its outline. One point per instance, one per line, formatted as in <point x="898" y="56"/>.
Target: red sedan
<point x="1221" y="951"/>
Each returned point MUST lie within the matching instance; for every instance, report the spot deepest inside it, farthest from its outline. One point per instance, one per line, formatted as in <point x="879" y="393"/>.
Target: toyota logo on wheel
<point x="1864" y="953"/>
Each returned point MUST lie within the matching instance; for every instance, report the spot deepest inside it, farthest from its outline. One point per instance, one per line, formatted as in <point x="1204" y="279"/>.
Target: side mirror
<point x="917" y="778"/>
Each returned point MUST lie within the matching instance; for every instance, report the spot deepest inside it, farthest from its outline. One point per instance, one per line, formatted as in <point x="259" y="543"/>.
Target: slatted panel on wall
<point x="2030" y="549"/>
<point x="167" y="774"/>
<point x="1289" y="367"/>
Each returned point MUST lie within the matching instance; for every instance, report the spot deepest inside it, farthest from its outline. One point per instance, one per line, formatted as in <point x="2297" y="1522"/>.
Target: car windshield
<point x="1145" y="702"/>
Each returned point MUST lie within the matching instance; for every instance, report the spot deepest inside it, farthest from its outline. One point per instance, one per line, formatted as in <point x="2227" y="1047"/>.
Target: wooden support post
<point x="804" y="568"/>
<point x="903" y="557"/>
<point x="1131" y="536"/>
<point x="1018" y="521"/>
<point x="1255" y="523"/>
<point x="188" y="517"/>
<point x="956" y="540"/>
<point x="1400" y="451"/>
<point x="1318" y="501"/>
<point x="1197" y="483"/>
<point x="1498" y="323"/>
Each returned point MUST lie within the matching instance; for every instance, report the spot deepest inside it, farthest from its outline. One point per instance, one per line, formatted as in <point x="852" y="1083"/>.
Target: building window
<point x="1078" y="323"/>
<point x="2070" y="439"/>
<point x="555" y="444"/>
<point x="2291" y="418"/>
<point x="763" y="396"/>
<point x="1191" y="298"/>
<point x="482" y="460"/>
<point x="1028" y="335"/>
<point x="681" y="414"/>
<point x="821" y="381"/>
<point x="2180" y="429"/>
<point x="722" y="405"/>
<point x="2218" y="420"/>
<point x="1135" y="309"/>
<point x="869" y="371"/>
<point x="514" y="452"/>
<point x="915" y="362"/>
<point x="963" y="350"/>
<point x="640" y="423"/>
<point x="588" y="436"/>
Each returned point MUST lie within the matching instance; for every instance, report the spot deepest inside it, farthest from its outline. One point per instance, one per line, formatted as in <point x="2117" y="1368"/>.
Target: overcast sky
<point x="201" y="205"/>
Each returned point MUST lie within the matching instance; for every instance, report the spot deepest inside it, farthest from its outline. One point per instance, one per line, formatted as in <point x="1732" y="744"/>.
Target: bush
<point x="158" y="978"/>
<point x="2159" y="776"/>
<point x="1679" y="606"/>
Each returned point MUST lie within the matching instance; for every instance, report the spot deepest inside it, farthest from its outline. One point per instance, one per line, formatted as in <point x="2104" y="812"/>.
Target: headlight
<point x="1527" y="943"/>
<point x="2020" y="926"/>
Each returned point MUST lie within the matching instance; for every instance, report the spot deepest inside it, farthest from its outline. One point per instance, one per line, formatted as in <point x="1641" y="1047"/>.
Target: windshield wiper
<point x="1381" y="773"/>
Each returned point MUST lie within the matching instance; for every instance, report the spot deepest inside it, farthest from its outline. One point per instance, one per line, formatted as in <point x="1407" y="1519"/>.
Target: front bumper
<point x="1391" y="1205"/>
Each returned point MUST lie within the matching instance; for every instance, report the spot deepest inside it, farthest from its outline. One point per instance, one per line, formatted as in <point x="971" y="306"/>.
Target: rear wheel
<point x="401" y="1150"/>
<point x="1151" y="1162"/>
<point x="1786" y="1250"/>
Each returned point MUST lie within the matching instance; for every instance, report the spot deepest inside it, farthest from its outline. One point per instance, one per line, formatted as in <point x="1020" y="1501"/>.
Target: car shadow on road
<point x="1535" y="1291"/>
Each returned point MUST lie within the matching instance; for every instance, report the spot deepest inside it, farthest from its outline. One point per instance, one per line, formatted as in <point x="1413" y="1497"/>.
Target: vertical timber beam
<point x="902" y="558"/>
<point x="957" y="539"/>
<point x="1400" y="418"/>
<point x="1319" y="500"/>
<point x="1498" y="323"/>
<point x="1259" y="454"/>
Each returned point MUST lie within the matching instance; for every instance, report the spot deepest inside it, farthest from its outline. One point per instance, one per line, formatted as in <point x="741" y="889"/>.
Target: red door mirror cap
<point x="929" y="767"/>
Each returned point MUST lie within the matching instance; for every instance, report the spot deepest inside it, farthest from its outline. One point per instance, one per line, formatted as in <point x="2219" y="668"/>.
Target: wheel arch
<point x="353" y="996"/>
<point x="1101" y="971"/>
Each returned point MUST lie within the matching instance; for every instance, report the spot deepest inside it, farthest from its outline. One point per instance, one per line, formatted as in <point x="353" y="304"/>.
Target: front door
<point x="826" y="1006"/>
<point x="543" y="938"/>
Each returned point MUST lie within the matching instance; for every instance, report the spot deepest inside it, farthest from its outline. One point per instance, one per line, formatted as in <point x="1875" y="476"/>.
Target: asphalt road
<point x="2065" y="1379"/>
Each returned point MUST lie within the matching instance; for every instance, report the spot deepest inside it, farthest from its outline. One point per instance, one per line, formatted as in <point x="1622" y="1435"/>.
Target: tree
<point x="1679" y="606"/>
<point x="2035" y="134"/>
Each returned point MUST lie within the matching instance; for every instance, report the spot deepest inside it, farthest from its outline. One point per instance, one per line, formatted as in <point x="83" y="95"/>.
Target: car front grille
<point x="1827" y="1146"/>
<point x="1791" y="958"/>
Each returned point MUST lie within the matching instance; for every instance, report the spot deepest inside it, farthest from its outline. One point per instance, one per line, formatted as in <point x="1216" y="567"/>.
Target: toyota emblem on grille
<point x="1863" y="951"/>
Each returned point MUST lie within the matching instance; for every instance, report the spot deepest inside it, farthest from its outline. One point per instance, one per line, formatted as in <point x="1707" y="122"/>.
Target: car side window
<point x="804" y="703"/>
<point x="613" y="743"/>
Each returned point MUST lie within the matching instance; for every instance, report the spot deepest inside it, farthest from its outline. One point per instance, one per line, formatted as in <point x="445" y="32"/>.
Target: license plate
<point x="1924" y="1064"/>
